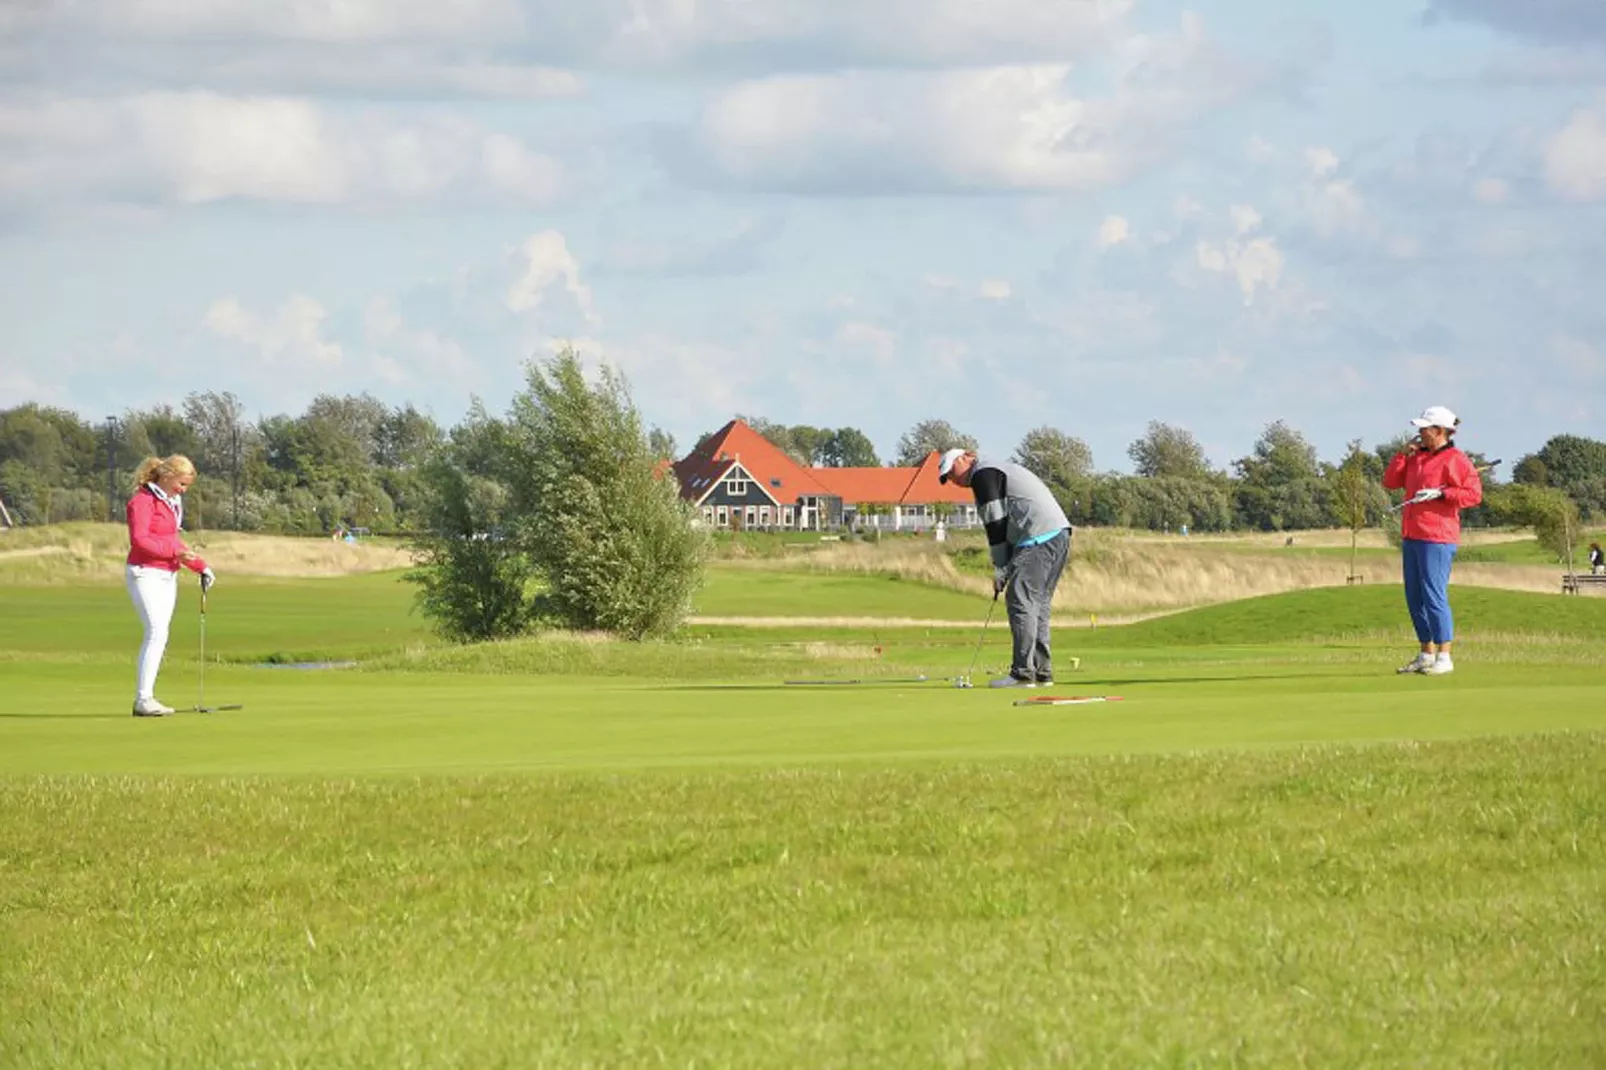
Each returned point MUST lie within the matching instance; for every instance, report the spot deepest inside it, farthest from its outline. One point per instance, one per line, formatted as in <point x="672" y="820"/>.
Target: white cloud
<point x="200" y="147"/>
<point x="1008" y="128"/>
<point x="997" y="290"/>
<point x="880" y="343"/>
<point x="292" y="339"/>
<point x="1113" y="231"/>
<point x="1491" y="191"/>
<point x="1259" y="150"/>
<point x="1575" y="158"/>
<point x="1254" y="262"/>
<point x="545" y="261"/>
<point x="1322" y="161"/>
<point x="407" y="355"/>
<point x="620" y="34"/>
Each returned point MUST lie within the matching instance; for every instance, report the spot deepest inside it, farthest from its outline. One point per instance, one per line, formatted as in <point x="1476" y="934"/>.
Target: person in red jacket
<point x="1439" y="481"/>
<point x="156" y="551"/>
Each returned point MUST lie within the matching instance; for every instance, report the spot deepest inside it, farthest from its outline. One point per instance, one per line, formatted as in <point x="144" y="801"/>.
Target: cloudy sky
<point x="1088" y="214"/>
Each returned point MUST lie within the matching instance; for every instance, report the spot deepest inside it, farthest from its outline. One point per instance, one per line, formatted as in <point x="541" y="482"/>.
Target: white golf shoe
<point x="1419" y="663"/>
<point x="149" y="707"/>
<point x="1439" y="666"/>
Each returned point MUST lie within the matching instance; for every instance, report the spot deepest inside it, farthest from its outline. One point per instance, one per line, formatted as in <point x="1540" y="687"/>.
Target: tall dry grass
<point x="69" y="553"/>
<point x="1128" y="574"/>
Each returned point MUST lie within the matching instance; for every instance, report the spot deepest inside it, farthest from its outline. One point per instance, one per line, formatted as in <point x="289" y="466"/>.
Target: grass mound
<point x="1370" y="612"/>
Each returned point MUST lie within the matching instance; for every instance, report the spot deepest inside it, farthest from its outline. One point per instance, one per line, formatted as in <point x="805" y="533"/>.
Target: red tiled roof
<point x="781" y="477"/>
<point x="736" y="442"/>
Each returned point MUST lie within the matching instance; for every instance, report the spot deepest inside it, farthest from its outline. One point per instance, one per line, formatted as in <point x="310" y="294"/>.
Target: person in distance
<point x="1439" y="481"/>
<point x="156" y="551"/>
<point x="1029" y="539"/>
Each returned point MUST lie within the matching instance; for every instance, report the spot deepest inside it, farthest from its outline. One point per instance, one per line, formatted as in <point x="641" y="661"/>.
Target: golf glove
<point x="1000" y="580"/>
<point x="208" y="578"/>
<point x="1427" y="494"/>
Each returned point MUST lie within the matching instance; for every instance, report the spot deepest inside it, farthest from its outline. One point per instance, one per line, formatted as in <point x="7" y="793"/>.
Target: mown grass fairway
<point x="569" y="852"/>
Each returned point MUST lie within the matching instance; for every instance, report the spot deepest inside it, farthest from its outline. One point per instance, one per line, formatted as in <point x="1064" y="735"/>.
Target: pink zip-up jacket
<point x="153" y="538"/>
<point x="1438" y="520"/>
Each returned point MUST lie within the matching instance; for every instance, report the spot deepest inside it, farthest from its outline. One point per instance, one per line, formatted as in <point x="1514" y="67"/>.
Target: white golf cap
<point x="1436" y="416"/>
<point x="946" y="465"/>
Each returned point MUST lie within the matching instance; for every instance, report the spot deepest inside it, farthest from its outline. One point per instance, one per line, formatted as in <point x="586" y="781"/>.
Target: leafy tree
<point x="1550" y="512"/>
<point x="404" y="438"/>
<point x="1168" y="451"/>
<point x="1056" y="458"/>
<point x="848" y="447"/>
<point x="929" y="435"/>
<point x="160" y="432"/>
<point x="472" y="574"/>
<point x="662" y="443"/>
<point x="1531" y="470"/>
<point x="224" y="441"/>
<point x="1358" y="497"/>
<point x="613" y="540"/>
<point x="1571" y="459"/>
<point x="1279" y="483"/>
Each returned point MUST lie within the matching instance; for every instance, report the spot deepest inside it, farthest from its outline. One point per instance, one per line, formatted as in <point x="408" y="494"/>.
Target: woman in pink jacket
<point x="1439" y="481"/>
<point x="156" y="550"/>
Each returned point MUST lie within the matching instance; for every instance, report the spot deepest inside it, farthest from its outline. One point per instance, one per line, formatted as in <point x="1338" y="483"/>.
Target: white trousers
<point x="155" y="592"/>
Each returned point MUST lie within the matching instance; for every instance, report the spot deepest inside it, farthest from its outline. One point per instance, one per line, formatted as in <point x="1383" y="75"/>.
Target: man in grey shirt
<point x="1030" y="541"/>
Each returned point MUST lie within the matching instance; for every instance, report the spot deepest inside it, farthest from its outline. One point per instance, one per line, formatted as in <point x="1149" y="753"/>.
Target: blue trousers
<point x="1427" y="589"/>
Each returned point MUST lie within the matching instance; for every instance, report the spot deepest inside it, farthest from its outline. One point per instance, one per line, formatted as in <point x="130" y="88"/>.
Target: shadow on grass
<point x="66" y="717"/>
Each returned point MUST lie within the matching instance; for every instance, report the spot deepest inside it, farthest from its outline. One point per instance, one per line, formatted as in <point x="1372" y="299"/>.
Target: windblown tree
<point x="929" y="435"/>
<point x="606" y="531"/>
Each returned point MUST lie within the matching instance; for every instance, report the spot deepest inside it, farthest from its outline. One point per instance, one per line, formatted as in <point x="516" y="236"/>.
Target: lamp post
<point x="111" y="469"/>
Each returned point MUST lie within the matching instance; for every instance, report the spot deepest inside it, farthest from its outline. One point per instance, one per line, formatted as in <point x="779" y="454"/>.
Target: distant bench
<point x="1573" y="583"/>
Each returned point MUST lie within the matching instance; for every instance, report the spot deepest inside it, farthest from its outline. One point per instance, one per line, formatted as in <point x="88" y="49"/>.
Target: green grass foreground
<point x="1421" y="905"/>
<point x="572" y="852"/>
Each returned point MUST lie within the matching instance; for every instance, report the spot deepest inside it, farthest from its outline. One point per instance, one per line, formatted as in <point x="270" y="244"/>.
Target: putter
<point x="964" y="681"/>
<point x="200" y="698"/>
<point x="1067" y="700"/>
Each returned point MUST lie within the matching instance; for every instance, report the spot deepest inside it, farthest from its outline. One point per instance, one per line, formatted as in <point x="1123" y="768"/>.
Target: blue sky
<point x="1008" y="214"/>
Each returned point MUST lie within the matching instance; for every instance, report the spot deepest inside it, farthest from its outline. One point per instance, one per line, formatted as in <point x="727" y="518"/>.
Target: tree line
<point x="353" y="461"/>
<point x="1280" y="484"/>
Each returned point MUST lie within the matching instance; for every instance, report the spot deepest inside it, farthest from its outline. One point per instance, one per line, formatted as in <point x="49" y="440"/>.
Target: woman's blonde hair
<point x="153" y="469"/>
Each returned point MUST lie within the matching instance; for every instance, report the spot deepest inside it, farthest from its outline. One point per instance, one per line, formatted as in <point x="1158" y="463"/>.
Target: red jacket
<point x="153" y="538"/>
<point x="1438" y="520"/>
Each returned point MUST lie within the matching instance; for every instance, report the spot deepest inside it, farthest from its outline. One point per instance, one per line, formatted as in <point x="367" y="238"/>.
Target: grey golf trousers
<point x="1034" y="573"/>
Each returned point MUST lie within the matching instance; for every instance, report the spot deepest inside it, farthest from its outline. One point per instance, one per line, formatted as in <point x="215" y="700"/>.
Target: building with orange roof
<point x="738" y="479"/>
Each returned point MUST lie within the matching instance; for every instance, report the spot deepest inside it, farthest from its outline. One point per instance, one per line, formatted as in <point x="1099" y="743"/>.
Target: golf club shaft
<point x="983" y="636"/>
